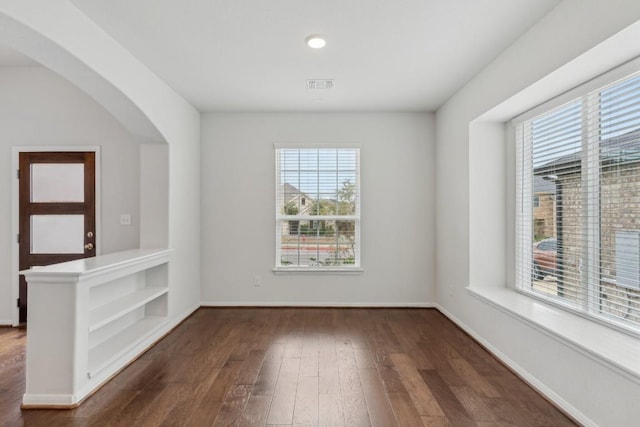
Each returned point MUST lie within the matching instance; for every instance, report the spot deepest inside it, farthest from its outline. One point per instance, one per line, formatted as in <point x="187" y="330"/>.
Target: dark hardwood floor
<point x="286" y="366"/>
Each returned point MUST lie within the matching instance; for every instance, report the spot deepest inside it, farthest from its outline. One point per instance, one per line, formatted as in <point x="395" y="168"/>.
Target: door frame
<point x="15" y="209"/>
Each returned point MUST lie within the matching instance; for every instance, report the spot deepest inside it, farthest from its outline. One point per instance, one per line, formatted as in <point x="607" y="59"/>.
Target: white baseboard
<point x="179" y="319"/>
<point x="49" y="400"/>
<point x="318" y="304"/>
<point x="541" y="388"/>
<point x="6" y="322"/>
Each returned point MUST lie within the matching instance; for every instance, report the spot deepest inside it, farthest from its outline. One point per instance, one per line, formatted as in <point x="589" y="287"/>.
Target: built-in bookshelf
<point x="89" y="318"/>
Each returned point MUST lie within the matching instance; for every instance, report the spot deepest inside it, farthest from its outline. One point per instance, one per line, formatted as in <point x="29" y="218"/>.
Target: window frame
<point x="355" y="268"/>
<point x="586" y="92"/>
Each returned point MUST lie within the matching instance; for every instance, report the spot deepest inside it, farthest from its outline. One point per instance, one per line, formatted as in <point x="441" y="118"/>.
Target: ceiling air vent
<point x="319" y="84"/>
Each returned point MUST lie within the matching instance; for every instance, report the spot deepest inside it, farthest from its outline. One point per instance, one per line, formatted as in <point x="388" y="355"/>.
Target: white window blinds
<point x="317" y="208"/>
<point x="578" y="245"/>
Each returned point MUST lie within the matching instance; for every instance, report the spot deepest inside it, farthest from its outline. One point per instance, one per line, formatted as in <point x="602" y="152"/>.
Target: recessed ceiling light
<point x="316" y="41"/>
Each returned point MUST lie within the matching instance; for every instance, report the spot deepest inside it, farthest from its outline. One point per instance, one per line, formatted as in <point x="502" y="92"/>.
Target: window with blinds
<point x="317" y="208"/>
<point x="578" y="202"/>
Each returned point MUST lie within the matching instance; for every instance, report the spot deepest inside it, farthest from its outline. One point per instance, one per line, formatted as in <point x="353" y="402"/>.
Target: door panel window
<point x="57" y="234"/>
<point x="57" y="182"/>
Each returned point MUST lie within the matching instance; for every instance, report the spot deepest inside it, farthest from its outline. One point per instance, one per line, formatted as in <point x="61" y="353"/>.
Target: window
<point x="536" y="201"/>
<point x="586" y="154"/>
<point x="317" y="208"/>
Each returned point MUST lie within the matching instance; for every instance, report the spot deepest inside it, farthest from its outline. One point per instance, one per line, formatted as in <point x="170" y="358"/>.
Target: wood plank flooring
<point x="297" y="367"/>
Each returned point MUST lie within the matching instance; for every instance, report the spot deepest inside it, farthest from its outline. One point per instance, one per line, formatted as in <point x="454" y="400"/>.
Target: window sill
<point x="321" y="271"/>
<point x="609" y="347"/>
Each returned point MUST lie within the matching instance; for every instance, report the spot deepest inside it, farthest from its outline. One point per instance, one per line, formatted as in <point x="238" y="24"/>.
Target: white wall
<point x="473" y="220"/>
<point x="154" y="196"/>
<point x="59" y="36"/>
<point x="238" y="209"/>
<point x="39" y="108"/>
<point x="184" y="212"/>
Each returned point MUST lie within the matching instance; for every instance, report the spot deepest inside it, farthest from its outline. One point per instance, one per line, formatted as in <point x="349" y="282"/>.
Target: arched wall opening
<point x="148" y="133"/>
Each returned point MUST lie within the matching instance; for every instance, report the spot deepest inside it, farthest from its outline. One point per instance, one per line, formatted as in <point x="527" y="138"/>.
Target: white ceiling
<point x="250" y="55"/>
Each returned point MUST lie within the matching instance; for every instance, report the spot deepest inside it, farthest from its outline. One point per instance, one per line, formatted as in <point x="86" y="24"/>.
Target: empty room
<point x="329" y="213"/>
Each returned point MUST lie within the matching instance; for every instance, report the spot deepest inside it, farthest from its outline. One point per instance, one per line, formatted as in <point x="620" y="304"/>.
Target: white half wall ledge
<point x="121" y="299"/>
<point x="213" y="304"/>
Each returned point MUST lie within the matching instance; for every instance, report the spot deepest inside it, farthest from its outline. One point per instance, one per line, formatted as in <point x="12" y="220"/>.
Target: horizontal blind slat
<point x="588" y="151"/>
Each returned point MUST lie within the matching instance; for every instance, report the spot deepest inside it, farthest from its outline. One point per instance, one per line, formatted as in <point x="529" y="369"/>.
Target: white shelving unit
<point x="110" y="311"/>
<point x="88" y="319"/>
<point x="120" y="344"/>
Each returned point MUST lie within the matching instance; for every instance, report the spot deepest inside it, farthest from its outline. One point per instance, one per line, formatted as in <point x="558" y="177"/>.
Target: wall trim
<point x="318" y="304"/>
<point x="531" y="380"/>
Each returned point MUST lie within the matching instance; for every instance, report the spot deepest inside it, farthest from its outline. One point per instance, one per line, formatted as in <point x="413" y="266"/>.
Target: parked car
<point x="544" y="258"/>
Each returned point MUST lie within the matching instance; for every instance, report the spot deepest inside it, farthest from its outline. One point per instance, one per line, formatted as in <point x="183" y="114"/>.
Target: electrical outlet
<point x="257" y="281"/>
<point x="125" y="219"/>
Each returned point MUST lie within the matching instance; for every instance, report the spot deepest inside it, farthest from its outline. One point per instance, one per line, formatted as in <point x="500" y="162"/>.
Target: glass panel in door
<point x="57" y="234"/>
<point x="57" y="182"/>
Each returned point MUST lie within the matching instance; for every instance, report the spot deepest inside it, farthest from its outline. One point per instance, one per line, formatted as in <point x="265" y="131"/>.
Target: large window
<point x="578" y="201"/>
<point x="317" y="208"/>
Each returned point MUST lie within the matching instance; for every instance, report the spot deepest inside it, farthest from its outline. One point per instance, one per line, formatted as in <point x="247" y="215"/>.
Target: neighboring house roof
<point x="623" y="148"/>
<point x="541" y="185"/>
<point x="290" y="189"/>
<point x="290" y="192"/>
